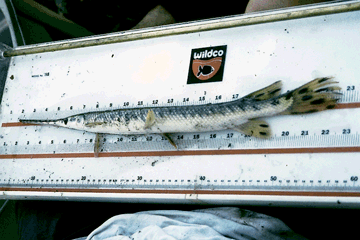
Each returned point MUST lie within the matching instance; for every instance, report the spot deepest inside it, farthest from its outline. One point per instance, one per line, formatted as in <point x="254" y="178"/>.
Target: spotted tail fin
<point x="318" y="95"/>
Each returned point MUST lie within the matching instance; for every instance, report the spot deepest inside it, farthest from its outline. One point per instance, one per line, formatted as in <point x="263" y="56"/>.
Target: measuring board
<point x="310" y="160"/>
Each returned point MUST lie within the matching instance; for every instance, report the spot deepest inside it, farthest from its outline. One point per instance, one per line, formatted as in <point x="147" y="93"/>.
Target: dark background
<point x="77" y="219"/>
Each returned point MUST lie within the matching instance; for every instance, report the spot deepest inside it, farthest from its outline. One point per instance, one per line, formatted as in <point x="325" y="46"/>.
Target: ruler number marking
<point x="284" y="133"/>
<point x="354" y="178"/>
<point x="346" y="131"/>
<point x="325" y="132"/>
<point x="229" y="135"/>
<point x="304" y="133"/>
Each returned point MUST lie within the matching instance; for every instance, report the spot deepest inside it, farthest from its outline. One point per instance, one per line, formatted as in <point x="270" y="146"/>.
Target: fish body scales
<point x="198" y="118"/>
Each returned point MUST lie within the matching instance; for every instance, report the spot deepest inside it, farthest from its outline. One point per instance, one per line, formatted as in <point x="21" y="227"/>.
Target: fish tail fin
<point x="317" y="95"/>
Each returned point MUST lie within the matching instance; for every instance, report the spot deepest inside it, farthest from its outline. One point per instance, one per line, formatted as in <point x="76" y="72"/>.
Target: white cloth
<point x="208" y="224"/>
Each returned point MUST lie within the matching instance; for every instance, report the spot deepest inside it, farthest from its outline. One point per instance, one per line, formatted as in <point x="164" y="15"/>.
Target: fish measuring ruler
<point x="311" y="159"/>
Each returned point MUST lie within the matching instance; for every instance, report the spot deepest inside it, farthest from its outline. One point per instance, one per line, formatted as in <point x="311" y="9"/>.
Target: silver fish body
<point x="199" y="118"/>
<point x="316" y="95"/>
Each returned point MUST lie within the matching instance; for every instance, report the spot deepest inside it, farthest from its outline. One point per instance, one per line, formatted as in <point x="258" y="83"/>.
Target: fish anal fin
<point x="268" y="92"/>
<point x="167" y="136"/>
<point x="150" y="119"/>
<point x="255" y="128"/>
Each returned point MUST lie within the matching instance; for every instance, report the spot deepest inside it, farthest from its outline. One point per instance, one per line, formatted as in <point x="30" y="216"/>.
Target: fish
<point x="244" y="114"/>
<point x="205" y="70"/>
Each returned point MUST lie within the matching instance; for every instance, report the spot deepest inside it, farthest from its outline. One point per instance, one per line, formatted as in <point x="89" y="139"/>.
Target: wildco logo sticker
<point x="207" y="64"/>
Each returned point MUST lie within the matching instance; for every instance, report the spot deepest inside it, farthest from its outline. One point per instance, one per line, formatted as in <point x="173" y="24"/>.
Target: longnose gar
<point x="240" y="115"/>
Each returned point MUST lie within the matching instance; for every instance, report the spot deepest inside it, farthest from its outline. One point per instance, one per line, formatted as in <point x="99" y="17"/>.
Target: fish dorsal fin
<point x="255" y="128"/>
<point x="150" y="119"/>
<point x="265" y="93"/>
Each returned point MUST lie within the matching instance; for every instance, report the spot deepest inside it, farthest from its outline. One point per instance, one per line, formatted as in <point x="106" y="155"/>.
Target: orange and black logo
<point x="207" y="64"/>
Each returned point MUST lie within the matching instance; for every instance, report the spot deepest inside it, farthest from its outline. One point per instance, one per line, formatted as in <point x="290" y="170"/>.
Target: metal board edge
<point x="213" y="199"/>
<point x="196" y="26"/>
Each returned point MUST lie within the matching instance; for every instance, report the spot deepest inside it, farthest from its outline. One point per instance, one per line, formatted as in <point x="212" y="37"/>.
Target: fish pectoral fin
<point x="150" y="119"/>
<point x="255" y="128"/>
<point x="265" y="93"/>
<point x="93" y="124"/>
<point x="167" y="136"/>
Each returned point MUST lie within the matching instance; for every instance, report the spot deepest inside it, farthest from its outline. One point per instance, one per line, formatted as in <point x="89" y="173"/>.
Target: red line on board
<point x="185" y="153"/>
